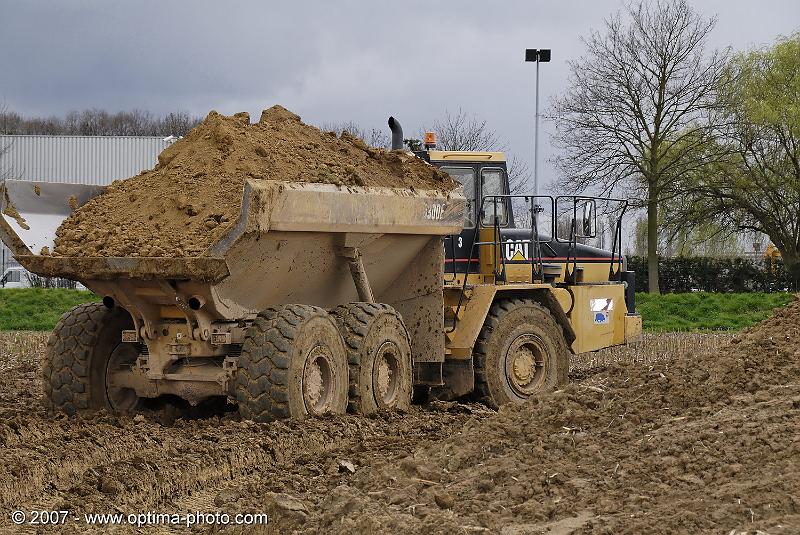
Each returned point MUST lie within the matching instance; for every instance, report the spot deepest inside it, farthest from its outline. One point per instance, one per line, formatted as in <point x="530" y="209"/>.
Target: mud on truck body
<point x="323" y="299"/>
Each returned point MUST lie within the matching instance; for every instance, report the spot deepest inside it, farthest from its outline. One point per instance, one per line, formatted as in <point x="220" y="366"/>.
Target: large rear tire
<point x="378" y="356"/>
<point x="520" y="352"/>
<point x="293" y="365"/>
<point x="82" y="353"/>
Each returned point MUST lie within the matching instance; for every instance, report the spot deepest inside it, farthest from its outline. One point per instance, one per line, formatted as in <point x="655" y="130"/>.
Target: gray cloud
<point x="328" y="61"/>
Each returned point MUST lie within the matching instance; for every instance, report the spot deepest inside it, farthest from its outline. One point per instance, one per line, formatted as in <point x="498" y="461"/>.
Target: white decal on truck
<point x="602" y="304"/>
<point x="435" y="212"/>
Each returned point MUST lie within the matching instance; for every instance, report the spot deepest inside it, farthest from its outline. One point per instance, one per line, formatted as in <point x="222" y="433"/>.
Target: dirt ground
<point x="194" y="194"/>
<point x="689" y="434"/>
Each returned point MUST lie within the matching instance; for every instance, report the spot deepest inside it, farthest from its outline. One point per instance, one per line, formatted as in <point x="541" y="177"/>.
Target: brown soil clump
<point x="11" y="211"/>
<point x="193" y="195"/>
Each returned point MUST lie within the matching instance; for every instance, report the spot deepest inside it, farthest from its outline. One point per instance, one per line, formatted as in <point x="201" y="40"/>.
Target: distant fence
<point x="697" y="273"/>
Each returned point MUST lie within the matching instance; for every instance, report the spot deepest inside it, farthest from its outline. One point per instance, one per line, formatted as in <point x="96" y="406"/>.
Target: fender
<point x="479" y="299"/>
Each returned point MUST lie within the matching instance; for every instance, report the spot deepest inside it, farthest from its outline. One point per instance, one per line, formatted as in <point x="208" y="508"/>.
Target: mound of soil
<point x="193" y="195"/>
<point x="704" y="443"/>
<point x="699" y="443"/>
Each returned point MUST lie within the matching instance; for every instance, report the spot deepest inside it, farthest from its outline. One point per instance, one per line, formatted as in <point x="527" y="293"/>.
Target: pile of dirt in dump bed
<point x="193" y="195"/>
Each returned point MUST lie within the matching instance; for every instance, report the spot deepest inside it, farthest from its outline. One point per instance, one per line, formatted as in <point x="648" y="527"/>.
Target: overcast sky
<point x="328" y="61"/>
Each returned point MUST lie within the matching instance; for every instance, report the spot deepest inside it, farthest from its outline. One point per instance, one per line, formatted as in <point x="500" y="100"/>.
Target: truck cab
<point x="519" y="244"/>
<point x="525" y="226"/>
<point x="510" y="272"/>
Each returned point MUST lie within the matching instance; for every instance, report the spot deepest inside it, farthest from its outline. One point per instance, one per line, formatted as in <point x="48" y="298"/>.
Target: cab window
<point x="466" y="176"/>
<point x="492" y="183"/>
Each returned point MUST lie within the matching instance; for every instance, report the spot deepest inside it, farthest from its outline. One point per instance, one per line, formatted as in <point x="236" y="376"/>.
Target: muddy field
<point x="679" y="434"/>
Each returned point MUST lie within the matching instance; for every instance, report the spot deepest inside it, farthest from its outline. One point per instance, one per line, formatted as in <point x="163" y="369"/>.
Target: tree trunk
<point x="791" y="263"/>
<point x="652" y="242"/>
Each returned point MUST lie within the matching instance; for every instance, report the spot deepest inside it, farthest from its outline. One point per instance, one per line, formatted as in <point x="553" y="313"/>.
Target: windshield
<point x="466" y="176"/>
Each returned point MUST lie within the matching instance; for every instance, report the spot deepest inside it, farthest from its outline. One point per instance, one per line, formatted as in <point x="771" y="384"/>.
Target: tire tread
<point x="261" y="384"/>
<point x="354" y="320"/>
<point x="65" y="371"/>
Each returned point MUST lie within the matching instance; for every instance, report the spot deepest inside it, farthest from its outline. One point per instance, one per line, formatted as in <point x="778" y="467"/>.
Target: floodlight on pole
<point x="539" y="55"/>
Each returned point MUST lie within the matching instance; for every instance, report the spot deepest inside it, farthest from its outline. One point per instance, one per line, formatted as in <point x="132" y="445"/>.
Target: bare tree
<point x="5" y="170"/>
<point x="637" y="108"/>
<point x="519" y="175"/>
<point x="373" y="137"/>
<point x="95" y="122"/>
<point x="178" y="123"/>
<point x="460" y="132"/>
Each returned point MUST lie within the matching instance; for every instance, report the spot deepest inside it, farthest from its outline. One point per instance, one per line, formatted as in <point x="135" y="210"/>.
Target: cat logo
<point x="516" y="251"/>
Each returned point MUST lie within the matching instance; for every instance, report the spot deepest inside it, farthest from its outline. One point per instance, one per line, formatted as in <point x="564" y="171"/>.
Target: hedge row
<point x="687" y="274"/>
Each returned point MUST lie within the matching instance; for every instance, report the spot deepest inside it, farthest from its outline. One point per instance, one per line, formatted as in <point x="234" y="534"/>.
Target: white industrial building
<point x="97" y="160"/>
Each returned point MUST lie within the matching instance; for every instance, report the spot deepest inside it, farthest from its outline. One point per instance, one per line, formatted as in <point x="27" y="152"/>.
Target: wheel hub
<point x="525" y="365"/>
<point x="122" y="358"/>
<point x="385" y="374"/>
<point x="317" y="381"/>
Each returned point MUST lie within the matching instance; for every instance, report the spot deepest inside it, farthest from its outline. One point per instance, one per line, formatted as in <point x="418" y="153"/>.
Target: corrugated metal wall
<point x="95" y="160"/>
<point x="83" y="159"/>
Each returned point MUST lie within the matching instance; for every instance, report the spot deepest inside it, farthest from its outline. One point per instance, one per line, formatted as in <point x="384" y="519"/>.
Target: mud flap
<point x="427" y="373"/>
<point x="459" y="380"/>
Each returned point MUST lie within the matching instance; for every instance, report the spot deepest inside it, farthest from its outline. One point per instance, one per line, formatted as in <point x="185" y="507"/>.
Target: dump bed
<point x="32" y="211"/>
<point x="292" y="243"/>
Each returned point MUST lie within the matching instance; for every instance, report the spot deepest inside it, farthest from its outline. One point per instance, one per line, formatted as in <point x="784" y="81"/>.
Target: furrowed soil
<point x="193" y="196"/>
<point x="701" y="440"/>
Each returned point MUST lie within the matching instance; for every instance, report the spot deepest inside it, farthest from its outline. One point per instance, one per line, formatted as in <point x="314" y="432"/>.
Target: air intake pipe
<point x="397" y="134"/>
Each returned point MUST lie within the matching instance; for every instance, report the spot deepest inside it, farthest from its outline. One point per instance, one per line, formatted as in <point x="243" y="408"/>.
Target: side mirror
<point x="589" y="226"/>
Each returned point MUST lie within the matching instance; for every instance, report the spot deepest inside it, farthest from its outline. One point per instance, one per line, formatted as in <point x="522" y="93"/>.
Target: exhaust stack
<point x="397" y="134"/>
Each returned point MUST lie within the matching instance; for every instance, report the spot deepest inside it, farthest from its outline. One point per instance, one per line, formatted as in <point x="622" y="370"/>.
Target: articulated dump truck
<point x="323" y="299"/>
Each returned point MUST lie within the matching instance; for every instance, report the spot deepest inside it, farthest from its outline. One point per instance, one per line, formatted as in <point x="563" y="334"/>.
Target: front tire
<point x="82" y="353"/>
<point x="520" y="352"/>
<point x="293" y="365"/>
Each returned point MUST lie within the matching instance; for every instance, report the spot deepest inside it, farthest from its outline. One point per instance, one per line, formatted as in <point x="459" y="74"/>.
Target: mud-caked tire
<point x="75" y="368"/>
<point x="520" y="352"/>
<point x="378" y="357"/>
<point x="293" y="365"/>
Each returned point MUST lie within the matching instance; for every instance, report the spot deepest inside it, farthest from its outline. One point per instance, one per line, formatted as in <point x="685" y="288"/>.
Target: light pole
<point x="539" y="55"/>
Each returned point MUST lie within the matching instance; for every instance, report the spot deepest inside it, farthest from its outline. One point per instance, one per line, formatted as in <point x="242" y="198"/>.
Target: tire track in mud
<point x="102" y="462"/>
<point x="76" y="463"/>
<point x="199" y="456"/>
<point x="47" y="455"/>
